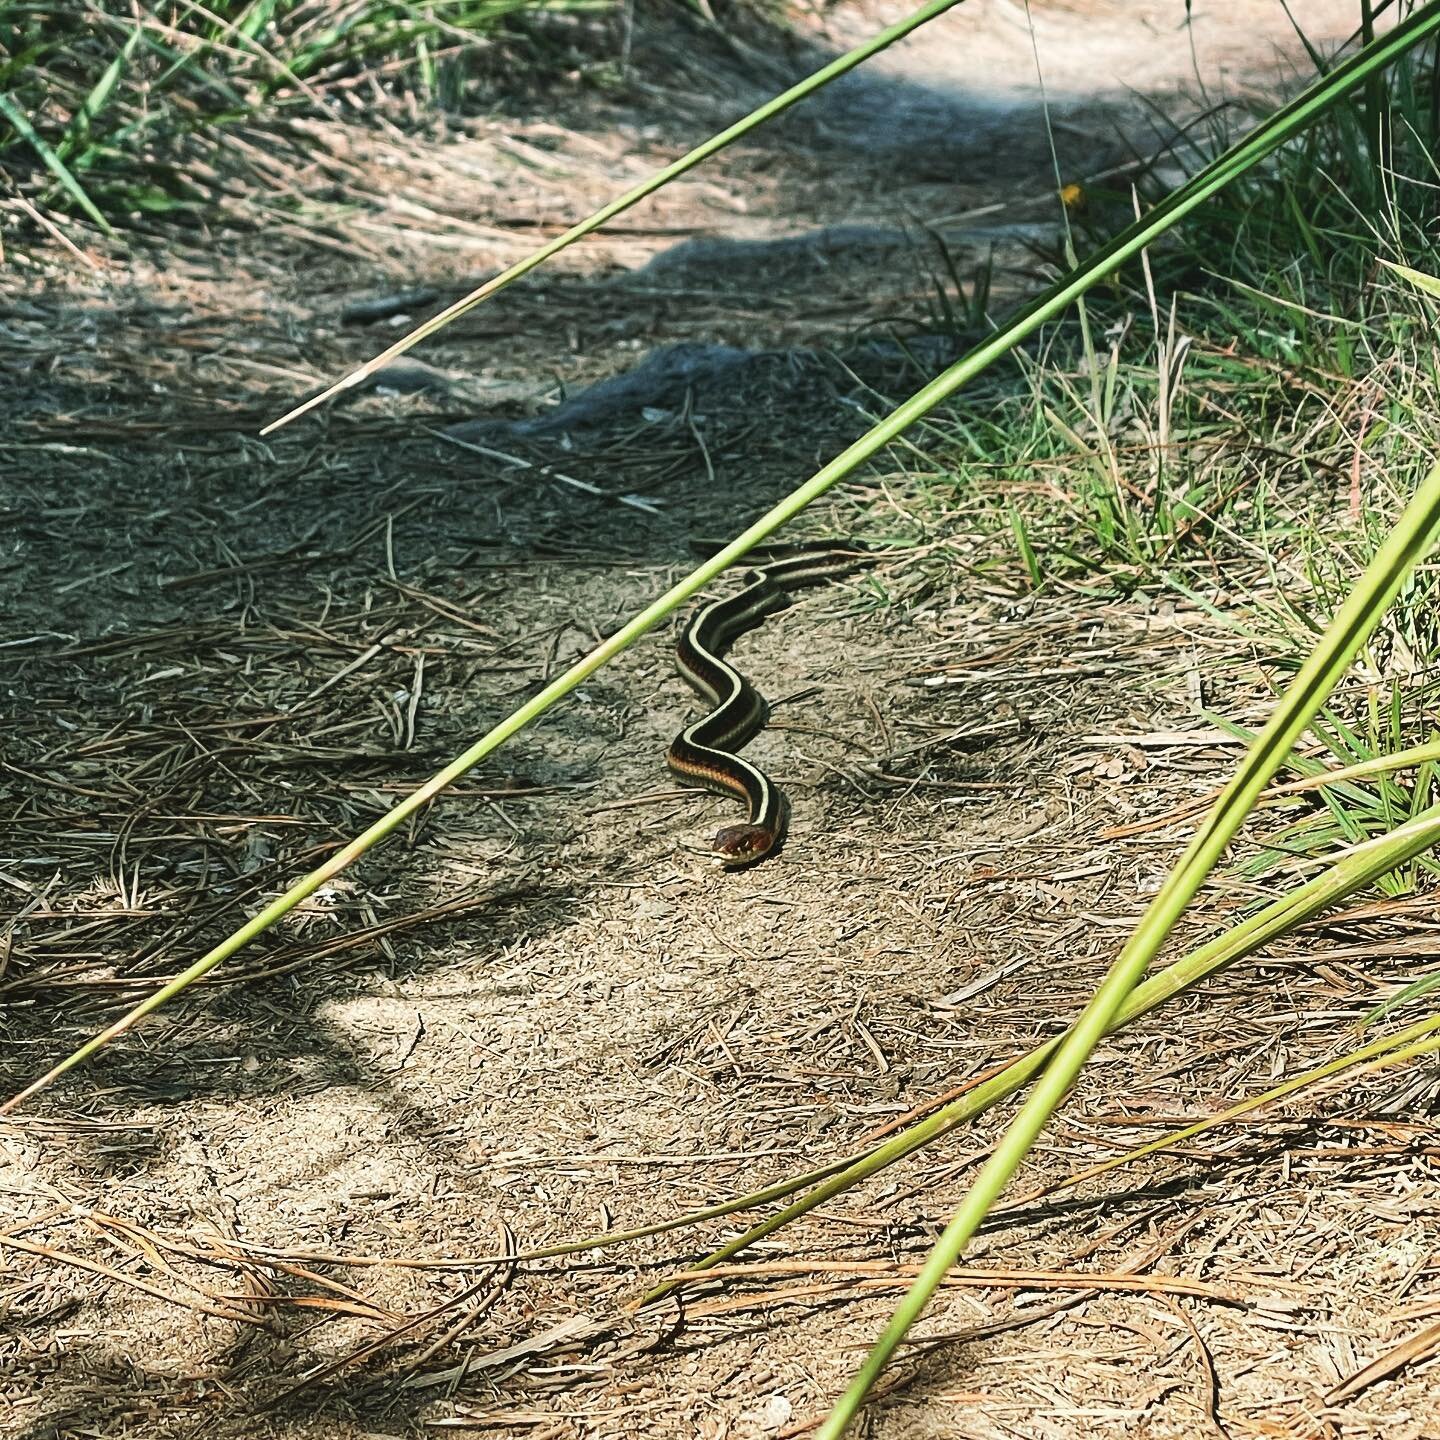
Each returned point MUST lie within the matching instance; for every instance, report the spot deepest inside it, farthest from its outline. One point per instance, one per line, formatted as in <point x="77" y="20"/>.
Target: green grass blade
<point x="77" y="133"/>
<point x="1416" y="988"/>
<point x="1352" y="871"/>
<point x="256" y="18"/>
<point x="1412" y="538"/>
<point x="1421" y="281"/>
<point x="52" y="162"/>
<point x="246" y="47"/>
<point x="1414" y="755"/>
<point x="1346" y="874"/>
<point x="1397" y="1049"/>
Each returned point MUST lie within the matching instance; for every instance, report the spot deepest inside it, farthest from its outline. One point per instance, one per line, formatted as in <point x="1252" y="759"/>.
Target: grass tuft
<point x="111" y="111"/>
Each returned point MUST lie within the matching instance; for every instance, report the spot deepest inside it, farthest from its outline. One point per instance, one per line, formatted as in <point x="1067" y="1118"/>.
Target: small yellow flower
<point x="1072" y="197"/>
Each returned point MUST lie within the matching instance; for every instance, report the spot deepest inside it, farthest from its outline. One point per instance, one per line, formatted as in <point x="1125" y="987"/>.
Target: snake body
<point x="704" y="751"/>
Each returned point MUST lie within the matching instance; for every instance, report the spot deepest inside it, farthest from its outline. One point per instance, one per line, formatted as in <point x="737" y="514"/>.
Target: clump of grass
<point x="1235" y="410"/>
<point x="113" y="111"/>
<point x="1243" y="398"/>
<point x="1235" y="422"/>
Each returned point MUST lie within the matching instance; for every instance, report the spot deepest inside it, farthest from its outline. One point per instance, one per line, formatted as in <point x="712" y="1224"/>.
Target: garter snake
<point x="704" y="751"/>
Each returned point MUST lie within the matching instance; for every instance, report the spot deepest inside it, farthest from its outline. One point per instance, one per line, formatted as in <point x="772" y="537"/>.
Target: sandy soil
<point x="540" y="1012"/>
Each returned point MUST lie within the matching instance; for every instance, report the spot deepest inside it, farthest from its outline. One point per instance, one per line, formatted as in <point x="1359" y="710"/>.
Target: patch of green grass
<point x="1206" y="413"/>
<point x="1239" y="422"/>
<point x="108" y="109"/>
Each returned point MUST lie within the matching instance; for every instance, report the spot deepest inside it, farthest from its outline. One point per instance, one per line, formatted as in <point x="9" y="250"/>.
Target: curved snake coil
<point x="704" y="751"/>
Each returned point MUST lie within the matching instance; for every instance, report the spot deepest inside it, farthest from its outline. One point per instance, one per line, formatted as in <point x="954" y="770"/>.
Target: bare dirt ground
<point x="541" y="1013"/>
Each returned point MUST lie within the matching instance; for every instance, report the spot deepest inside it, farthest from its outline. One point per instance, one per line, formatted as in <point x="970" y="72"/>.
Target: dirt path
<point x="541" y="1012"/>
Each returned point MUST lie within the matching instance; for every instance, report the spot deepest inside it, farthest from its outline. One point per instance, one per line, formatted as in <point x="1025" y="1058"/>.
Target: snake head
<point x="741" y="845"/>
